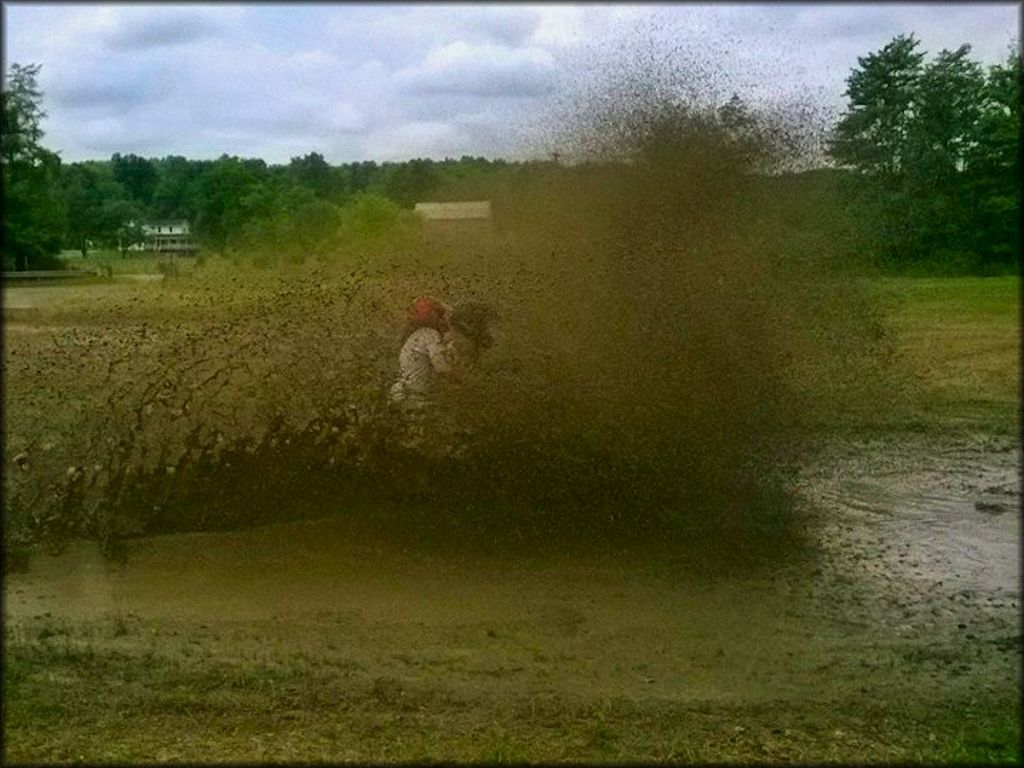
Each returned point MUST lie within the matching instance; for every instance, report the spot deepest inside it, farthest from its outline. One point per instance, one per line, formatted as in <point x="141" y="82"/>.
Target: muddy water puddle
<point x="944" y="514"/>
<point x="935" y="538"/>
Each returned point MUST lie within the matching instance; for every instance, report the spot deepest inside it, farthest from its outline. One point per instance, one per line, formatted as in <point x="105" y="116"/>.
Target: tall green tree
<point x="994" y="163"/>
<point x="83" y="200"/>
<point x="33" y="221"/>
<point x="947" y="106"/>
<point x="930" y="144"/>
<point x="872" y="139"/>
<point x="872" y="134"/>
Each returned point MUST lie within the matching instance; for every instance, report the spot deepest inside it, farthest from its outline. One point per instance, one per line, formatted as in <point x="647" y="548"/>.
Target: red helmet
<point x="427" y="310"/>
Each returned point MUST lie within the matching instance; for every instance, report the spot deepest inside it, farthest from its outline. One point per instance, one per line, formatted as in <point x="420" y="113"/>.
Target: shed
<point x="476" y="210"/>
<point x="457" y="223"/>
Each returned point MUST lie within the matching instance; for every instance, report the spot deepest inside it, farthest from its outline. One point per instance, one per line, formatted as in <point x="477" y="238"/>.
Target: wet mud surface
<point x="915" y="600"/>
<point x="921" y="558"/>
<point x="926" y="516"/>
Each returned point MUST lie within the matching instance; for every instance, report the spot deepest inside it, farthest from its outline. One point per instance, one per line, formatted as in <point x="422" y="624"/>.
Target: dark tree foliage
<point x="138" y="176"/>
<point x="33" y="213"/>
<point x="408" y="183"/>
<point x="173" y="194"/>
<point x="314" y="173"/>
<point x="934" y="145"/>
<point x="228" y="195"/>
<point x="98" y="207"/>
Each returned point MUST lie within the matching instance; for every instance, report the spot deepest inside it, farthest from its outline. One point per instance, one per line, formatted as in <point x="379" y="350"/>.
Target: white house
<point x="167" y="236"/>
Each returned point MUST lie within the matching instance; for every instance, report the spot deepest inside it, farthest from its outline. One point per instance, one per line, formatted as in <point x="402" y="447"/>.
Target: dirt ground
<point x="322" y="641"/>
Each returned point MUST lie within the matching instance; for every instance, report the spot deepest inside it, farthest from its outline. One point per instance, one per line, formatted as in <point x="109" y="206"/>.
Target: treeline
<point x="247" y="204"/>
<point x="304" y="207"/>
<point x="927" y="153"/>
<point x="935" y="150"/>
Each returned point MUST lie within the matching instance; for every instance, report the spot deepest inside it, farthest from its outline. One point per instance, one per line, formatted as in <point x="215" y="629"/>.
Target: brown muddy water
<point x="916" y="596"/>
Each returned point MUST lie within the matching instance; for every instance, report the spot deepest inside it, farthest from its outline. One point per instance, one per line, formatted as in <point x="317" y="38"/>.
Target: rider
<point x="424" y="355"/>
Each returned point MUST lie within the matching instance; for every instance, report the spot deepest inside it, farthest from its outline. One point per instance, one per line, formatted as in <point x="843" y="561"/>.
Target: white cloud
<point x="353" y="81"/>
<point x="481" y="70"/>
<point x="102" y="129"/>
<point x="407" y="32"/>
<point x="418" y="139"/>
<point x="77" y="92"/>
<point x="315" y="59"/>
<point x="506" y="26"/>
<point x="560" y="26"/>
<point x="160" y="27"/>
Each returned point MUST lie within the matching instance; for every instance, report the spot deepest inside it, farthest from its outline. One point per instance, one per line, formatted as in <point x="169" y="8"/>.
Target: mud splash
<point x="667" y="338"/>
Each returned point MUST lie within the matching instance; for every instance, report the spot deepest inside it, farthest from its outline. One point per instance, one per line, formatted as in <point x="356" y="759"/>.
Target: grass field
<point x="133" y="264"/>
<point x="960" y="338"/>
<point x="330" y="645"/>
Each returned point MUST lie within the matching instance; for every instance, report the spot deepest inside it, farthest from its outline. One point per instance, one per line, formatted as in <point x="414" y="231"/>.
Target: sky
<point x="392" y="82"/>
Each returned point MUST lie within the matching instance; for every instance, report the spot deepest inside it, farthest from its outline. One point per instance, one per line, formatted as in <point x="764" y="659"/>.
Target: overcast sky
<point x="381" y="82"/>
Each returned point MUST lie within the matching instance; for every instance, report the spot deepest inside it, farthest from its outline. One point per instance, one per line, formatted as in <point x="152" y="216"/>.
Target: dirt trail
<point x="913" y="560"/>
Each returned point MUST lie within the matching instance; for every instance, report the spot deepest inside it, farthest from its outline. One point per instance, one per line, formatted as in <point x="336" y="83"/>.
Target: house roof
<point x="477" y="209"/>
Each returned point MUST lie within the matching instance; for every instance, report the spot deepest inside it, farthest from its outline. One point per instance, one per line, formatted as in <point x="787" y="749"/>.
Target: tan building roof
<point x="479" y="209"/>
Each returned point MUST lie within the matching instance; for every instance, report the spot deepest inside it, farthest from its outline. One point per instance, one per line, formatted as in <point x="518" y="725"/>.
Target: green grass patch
<point x="992" y="741"/>
<point x="959" y="339"/>
<point x="86" y="693"/>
